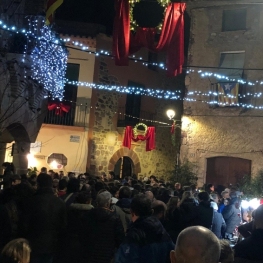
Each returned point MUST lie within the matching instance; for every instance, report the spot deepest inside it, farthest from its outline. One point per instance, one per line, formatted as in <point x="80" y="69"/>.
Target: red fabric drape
<point x="149" y="138"/>
<point x="171" y="39"/>
<point x="121" y="33"/>
<point x="59" y="107"/>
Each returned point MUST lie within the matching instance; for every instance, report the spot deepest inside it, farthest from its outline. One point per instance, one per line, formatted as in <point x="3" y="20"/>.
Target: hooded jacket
<point x="146" y="242"/>
<point x="102" y="233"/>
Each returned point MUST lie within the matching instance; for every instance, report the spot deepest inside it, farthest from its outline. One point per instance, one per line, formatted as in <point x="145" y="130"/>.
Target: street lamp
<point x="170" y="114"/>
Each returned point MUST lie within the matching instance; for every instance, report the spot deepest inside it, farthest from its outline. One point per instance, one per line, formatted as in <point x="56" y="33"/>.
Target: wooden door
<point x="226" y="170"/>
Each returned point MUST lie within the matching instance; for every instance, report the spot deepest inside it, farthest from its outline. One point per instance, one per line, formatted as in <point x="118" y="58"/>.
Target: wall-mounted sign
<point x="74" y="138"/>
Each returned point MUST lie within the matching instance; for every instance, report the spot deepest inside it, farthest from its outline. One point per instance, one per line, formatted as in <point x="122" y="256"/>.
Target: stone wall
<point x="222" y="131"/>
<point x="107" y="138"/>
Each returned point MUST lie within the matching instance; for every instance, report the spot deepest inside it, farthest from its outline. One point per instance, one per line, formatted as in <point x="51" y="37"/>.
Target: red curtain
<point x="121" y="33"/>
<point x="149" y="138"/>
<point x="171" y="39"/>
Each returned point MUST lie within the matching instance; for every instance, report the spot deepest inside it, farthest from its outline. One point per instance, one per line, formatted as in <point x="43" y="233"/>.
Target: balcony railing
<point x="77" y="116"/>
<point x="130" y="120"/>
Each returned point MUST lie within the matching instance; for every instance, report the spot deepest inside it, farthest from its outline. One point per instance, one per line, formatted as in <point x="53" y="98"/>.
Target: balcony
<point x="130" y="120"/>
<point x="77" y="116"/>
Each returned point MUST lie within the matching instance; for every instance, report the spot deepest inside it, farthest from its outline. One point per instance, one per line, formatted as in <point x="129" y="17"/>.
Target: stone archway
<point x="125" y="152"/>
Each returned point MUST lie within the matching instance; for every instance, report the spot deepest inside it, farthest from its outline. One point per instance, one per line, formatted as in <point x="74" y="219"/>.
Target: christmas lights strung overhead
<point x="157" y="93"/>
<point x="49" y="60"/>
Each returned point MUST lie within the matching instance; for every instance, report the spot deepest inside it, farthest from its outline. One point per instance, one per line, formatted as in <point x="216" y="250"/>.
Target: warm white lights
<point x="170" y="114"/>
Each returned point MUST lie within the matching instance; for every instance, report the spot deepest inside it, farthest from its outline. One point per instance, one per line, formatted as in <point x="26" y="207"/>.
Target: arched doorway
<point x="124" y="167"/>
<point x="224" y="170"/>
<point x="126" y="157"/>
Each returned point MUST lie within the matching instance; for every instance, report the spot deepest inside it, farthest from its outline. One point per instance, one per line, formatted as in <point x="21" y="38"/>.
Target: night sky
<point x="90" y="11"/>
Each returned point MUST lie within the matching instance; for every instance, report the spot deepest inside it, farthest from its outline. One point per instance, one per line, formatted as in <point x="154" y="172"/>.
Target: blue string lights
<point x="48" y="57"/>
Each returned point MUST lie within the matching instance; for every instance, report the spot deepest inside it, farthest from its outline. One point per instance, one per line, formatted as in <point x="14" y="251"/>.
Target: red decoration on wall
<point x="149" y="138"/>
<point x="171" y="39"/>
<point x="59" y="107"/>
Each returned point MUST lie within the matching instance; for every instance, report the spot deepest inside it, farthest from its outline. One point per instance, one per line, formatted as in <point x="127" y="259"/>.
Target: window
<point x="234" y="19"/>
<point x="232" y="64"/>
<point x="133" y="105"/>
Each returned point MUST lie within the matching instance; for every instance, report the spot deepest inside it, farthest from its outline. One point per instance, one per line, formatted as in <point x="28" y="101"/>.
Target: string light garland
<point x="157" y="93"/>
<point x="49" y="60"/>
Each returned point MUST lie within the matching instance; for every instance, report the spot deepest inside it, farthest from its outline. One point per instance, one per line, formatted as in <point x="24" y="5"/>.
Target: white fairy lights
<point x="49" y="57"/>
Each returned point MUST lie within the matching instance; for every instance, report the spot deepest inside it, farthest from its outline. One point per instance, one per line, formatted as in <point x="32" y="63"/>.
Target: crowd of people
<point x="52" y="217"/>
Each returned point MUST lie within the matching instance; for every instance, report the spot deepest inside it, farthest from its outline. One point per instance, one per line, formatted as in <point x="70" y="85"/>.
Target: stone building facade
<point x="224" y="141"/>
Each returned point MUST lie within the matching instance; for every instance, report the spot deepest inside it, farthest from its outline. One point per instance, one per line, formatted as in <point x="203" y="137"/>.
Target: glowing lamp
<point x="170" y="114"/>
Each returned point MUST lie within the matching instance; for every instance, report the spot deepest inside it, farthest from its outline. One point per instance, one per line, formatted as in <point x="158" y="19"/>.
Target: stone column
<point x="20" y="161"/>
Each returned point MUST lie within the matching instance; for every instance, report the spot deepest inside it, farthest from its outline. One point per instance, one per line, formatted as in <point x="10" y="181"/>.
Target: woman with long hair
<point x="16" y="251"/>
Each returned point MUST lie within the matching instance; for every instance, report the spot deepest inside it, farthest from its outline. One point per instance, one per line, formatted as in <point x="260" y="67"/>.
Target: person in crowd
<point x="62" y="187"/>
<point x="16" y="251"/>
<point x="149" y="195"/>
<point x="214" y="198"/>
<point x="173" y="218"/>
<point x="104" y="177"/>
<point x="146" y="240"/>
<point x="122" y="207"/>
<point x="45" y="219"/>
<point x="153" y="180"/>
<point x="159" y="209"/>
<point x="61" y="174"/>
<point x="178" y="190"/>
<point x="111" y="176"/>
<point x="218" y="222"/>
<point x="115" y="194"/>
<point x="102" y="231"/>
<point x="73" y="188"/>
<point x="251" y="247"/>
<point x="43" y="170"/>
<point x="210" y="188"/>
<point x="246" y="229"/>
<point x="188" y="209"/>
<point x="196" y="244"/>
<point x="232" y="216"/>
<point x="224" y="201"/>
<point x="227" y="253"/>
<point x="205" y="211"/>
<point x="15" y="179"/>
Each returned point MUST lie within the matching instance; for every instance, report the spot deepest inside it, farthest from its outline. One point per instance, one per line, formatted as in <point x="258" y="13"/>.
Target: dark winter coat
<point x="251" y="247"/>
<point x="205" y="215"/>
<point x="122" y="209"/>
<point x="146" y="242"/>
<point x="102" y="234"/>
<point x="232" y="217"/>
<point x="189" y="212"/>
<point x="174" y="223"/>
<point x="45" y="219"/>
<point x="218" y="225"/>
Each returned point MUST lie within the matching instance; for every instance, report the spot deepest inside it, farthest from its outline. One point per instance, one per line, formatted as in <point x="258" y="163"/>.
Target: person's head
<point x="177" y="186"/>
<point x="73" y="185"/>
<point x="173" y="203"/>
<point x="203" y="197"/>
<point x="153" y="179"/>
<point x="44" y="181"/>
<point x="71" y="175"/>
<point x="186" y="195"/>
<point x="125" y="192"/>
<point x="225" y="194"/>
<point x="149" y="195"/>
<point x="159" y="209"/>
<point x="214" y="197"/>
<point x="43" y="170"/>
<point x="83" y="198"/>
<point x="211" y="187"/>
<point x="61" y="174"/>
<point x="226" y="254"/>
<point x="140" y="207"/>
<point x="62" y="185"/>
<point x="111" y="175"/>
<point x="103" y="199"/>
<point x="196" y="244"/>
<point x="16" y="251"/>
<point x="259" y="217"/>
<point x="16" y="179"/>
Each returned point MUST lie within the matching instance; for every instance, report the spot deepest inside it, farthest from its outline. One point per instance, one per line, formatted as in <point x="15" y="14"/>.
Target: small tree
<point x="184" y="174"/>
